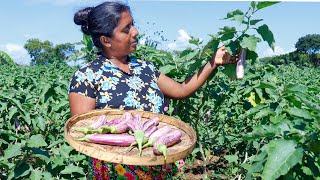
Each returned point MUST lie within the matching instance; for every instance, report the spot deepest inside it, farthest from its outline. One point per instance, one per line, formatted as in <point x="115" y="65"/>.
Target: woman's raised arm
<point x="175" y="90"/>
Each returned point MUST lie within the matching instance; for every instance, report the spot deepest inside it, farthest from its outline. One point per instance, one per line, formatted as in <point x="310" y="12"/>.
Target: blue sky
<point x="53" y="20"/>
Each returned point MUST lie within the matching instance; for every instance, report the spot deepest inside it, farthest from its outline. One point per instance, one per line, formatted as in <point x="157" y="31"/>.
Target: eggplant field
<point x="264" y="126"/>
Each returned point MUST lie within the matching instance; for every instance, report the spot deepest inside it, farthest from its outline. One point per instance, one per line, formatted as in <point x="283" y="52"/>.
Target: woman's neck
<point x="116" y="60"/>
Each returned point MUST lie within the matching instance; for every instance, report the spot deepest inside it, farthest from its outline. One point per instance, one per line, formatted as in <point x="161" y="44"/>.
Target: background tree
<point x="309" y="44"/>
<point x="46" y="53"/>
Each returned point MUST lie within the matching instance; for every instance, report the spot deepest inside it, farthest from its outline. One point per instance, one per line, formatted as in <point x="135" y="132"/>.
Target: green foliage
<point x="309" y="44"/>
<point x="234" y="39"/>
<point x="298" y="58"/>
<point x="282" y="156"/>
<point x="45" y="52"/>
<point x="34" y="107"/>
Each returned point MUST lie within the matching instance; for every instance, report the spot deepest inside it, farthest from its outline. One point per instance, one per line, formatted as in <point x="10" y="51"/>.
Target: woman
<point x="114" y="80"/>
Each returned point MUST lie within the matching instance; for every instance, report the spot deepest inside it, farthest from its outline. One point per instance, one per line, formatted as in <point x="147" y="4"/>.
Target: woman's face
<point x="123" y="41"/>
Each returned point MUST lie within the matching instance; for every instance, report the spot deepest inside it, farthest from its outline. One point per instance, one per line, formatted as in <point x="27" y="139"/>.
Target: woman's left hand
<point x="222" y="57"/>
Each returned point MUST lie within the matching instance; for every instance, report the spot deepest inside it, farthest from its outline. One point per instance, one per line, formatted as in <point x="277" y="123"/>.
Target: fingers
<point x="233" y="58"/>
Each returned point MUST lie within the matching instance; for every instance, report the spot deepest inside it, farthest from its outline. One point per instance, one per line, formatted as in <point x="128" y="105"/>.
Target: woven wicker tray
<point x="123" y="155"/>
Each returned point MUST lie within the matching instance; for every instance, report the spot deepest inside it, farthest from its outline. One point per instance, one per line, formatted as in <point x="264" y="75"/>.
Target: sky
<point x="175" y="20"/>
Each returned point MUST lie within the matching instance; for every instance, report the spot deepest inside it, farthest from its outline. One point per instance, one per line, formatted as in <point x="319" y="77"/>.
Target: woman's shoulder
<point x="141" y="61"/>
<point x="92" y="65"/>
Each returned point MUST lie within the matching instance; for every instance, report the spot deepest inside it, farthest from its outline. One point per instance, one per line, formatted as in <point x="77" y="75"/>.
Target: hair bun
<point x="81" y="18"/>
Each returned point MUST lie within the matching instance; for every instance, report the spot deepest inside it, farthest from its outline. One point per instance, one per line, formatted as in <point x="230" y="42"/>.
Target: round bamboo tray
<point x="124" y="155"/>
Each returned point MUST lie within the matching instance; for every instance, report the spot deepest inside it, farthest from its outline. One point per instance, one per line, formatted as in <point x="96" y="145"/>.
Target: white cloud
<point x="182" y="41"/>
<point x="277" y="51"/>
<point x="17" y="53"/>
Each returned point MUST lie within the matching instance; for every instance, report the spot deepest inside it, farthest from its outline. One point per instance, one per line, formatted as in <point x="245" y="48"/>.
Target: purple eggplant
<point x="110" y="139"/>
<point x="163" y="142"/>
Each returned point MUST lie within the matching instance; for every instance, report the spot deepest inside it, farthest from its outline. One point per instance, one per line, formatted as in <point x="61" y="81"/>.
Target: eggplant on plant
<point x="240" y="64"/>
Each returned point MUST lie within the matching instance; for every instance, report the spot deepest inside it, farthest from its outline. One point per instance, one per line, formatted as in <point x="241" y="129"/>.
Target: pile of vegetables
<point x="130" y="130"/>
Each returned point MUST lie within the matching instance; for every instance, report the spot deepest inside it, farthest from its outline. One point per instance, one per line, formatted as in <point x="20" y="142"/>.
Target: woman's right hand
<point x="222" y="57"/>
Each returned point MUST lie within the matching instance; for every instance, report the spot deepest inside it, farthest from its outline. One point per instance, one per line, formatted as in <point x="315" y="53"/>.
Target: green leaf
<point x="56" y="161"/>
<point x="45" y="89"/>
<point x="267" y="85"/>
<point x="72" y="169"/>
<point x="231" y="158"/>
<point x="255" y="109"/>
<point x="294" y="100"/>
<point x="296" y="88"/>
<point x="87" y="42"/>
<point x="18" y="104"/>
<point x="3" y="106"/>
<point x="189" y="56"/>
<point x="47" y="175"/>
<point x="167" y="68"/>
<point x="239" y="18"/>
<point x="36" y="141"/>
<point x="227" y="33"/>
<point x="250" y="42"/>
<point x="253" y="4"/>
<point x="12" y="112"/>
<point x="78" y="157"/>
<point x="261" y="131"/>
<point x="256" y="167"/>
<point x="65" y="150"/>
<point x="212" y="44"/>
<point x="22" y="170"/>
<point x="36" y="175"/>
<point x="194" y="40"/>
<point x="233" y="13"/>
<point x="255" y="21"/>
<point x="299" y="113"/>
<point x="40" y="122"/>
<point x="259" y="92"/>
<point x="41" y="154"/>
<point x="193" y="67"/>
<point x="263" y="113"/>
<point x="13" y="150"/>
<point x="6" y="58"/>
<point x="265" y="4"/>
<point x="231" y="47"/>
<point x="282" y="156"/>
<point x="266" y="35"/>
<point x="272" y="93"/>
<point x="306" y="171"/>
<point x="230" y="71"/>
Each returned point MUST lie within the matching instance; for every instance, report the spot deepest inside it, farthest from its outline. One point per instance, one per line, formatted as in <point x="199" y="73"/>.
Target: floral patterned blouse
<point x="116" y="89"/>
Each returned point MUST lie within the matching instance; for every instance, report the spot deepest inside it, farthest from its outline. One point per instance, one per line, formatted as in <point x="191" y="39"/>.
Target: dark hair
<point x="100" y="20"/>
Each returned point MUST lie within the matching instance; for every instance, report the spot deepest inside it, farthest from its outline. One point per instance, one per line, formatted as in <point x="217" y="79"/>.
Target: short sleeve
<point x="81" y="83"/>
<point x="157" y="72"/>
<point x="154" y="69"/>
